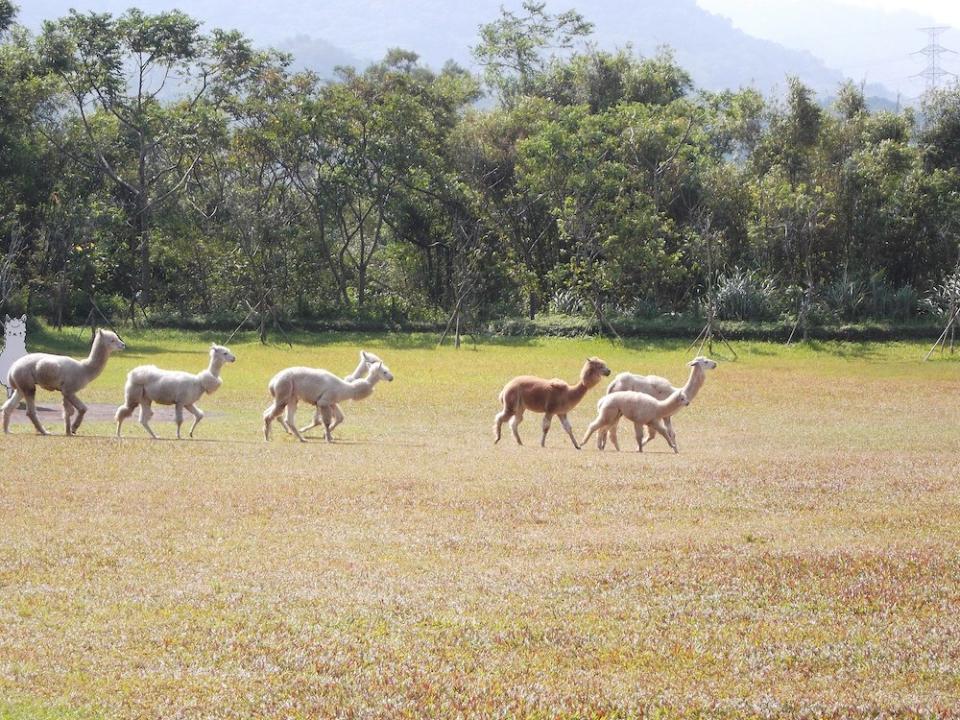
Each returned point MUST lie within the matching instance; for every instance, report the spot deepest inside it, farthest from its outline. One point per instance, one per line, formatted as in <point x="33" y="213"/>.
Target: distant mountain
<point x="322" y="57"/>
<point x="716" y="53"/>
<point x="874" y="46"/>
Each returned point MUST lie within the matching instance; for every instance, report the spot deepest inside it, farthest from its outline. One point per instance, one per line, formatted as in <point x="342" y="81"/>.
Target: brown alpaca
<point x="550" y="397"/>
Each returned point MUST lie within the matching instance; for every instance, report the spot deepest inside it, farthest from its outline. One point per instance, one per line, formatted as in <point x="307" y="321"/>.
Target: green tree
<point x="517" y="50"/>
<point x="116" y="74"/>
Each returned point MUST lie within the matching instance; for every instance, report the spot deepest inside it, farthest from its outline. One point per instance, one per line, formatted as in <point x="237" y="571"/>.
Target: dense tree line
<point x="163" y="170"/>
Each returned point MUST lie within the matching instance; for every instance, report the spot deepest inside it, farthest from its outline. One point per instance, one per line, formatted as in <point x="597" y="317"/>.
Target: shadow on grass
<point x="851" y="351"/>
<point x="41" y="338"/>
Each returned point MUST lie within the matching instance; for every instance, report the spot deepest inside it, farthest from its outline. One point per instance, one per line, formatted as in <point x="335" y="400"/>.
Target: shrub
<point x="746" y="295"/>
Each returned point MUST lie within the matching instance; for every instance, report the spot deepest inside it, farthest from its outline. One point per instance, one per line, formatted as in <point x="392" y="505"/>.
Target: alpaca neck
<point x="694" y="382"/>
<point x="13" y="342"/>
<point x="358" y="373"/>
<point x="210" y="378"/>
<point x="587" y="381"/>
<point x="360" y="389"/>
<point x="670" y="405"/>
<point x="96" y="360"/>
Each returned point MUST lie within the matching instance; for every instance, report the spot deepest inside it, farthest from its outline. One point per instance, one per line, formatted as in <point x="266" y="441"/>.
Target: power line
<point x="934" y="71"/>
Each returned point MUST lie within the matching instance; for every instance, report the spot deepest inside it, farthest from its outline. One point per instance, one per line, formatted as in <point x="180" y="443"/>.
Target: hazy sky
<point x="869" y="40"/>
<point x="946" y="12"/>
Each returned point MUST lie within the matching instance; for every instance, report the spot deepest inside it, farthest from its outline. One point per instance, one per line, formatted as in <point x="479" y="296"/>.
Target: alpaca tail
<point x="511" y="399"/>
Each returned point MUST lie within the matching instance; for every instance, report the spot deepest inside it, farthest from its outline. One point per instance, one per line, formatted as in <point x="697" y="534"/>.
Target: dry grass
<point x="799" y="557"/>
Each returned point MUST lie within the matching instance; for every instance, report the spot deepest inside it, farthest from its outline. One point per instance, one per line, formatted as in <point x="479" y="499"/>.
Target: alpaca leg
<point x="81" y="410"/>
<point x="67" y="416"/>
<point x="546" y="428"/>
<point x="612" y="434"/>
<point x="569" y="428"/>
<point x="672" y="436"/>
<point x="123" y="412"/>
<point x="283" y="424"/>
<point x="327" y="415"/>
<point x="638" y="430"/>
<point x="292" y="420"/>
<point x="31" y="398"/>
<point x="601" y="440"/>
<point x="596" y="425"/>
<point x="178" y="417"/>
<point x="197" y="416"/>
<point x="146" y="412"/>
<point x="321" y="414"/>
<point x="312" y="425"/>
<point x="661" y="428"/>
<point x="338" y="417"/>
<point x="514" y="424"/>
<point x="273" y="411"/>
<point x="8" y="407"/>
<point x="651" y="434"/>
<point x="502" y="417"/>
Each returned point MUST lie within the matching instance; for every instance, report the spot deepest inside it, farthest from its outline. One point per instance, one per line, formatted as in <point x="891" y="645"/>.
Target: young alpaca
<point x="550" y="397"/>
<point x="639" y="407"/>
<point x="317" y="387"/>
<point x="57" y="372"/>
<point x="14" y="347"/>
<point x="331" y="415"/>
<point x="148" y="384"/>
<point x="661" y="389"/>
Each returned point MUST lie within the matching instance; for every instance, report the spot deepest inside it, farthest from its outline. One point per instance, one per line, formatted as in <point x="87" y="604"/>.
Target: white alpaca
<point x="317" y="387"/>
<point x="661" y="389"/>
<point x="58" y="372"/>
<point x="14" y="347"/>
<point x="149" y="384"/>
<point x="330" y="415"/>
<point x="639" y="407"/>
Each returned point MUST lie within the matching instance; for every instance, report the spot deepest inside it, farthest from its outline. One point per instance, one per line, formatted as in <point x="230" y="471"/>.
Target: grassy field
<point x="801" y="556"/>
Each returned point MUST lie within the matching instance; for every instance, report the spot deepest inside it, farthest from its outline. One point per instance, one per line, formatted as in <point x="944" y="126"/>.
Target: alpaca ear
<point x="364" y="356"/>
<point x="23" y="318"/>
<point x="6" y="318"/>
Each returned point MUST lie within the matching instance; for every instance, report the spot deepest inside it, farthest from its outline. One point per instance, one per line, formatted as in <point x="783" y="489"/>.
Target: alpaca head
<point x="703" y="363"/>
<point x="368" y="358"/>
<point x="15" y="327"/>
<point x="379" y="371"/>
<point x="682" y="398"/>
<point x="221" y="353"/>
<point x="110" y="340"/>
<point x="594" y="368"/>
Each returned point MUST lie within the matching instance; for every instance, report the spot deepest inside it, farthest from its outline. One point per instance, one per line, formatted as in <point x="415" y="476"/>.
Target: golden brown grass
<point x="799" y="557"/>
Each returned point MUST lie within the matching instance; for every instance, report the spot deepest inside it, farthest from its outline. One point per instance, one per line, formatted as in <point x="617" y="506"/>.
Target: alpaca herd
<point x="648" y="401"/>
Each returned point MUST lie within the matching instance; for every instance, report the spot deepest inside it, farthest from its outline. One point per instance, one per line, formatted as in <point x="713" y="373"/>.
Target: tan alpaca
<point x="320" y="388"/>
<point x="660" y="388"/>
<point x="58" y="372"/>
<point x="550" y="397"/>
<point x="148" y="384"/>
<point x="639" y="407"/>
